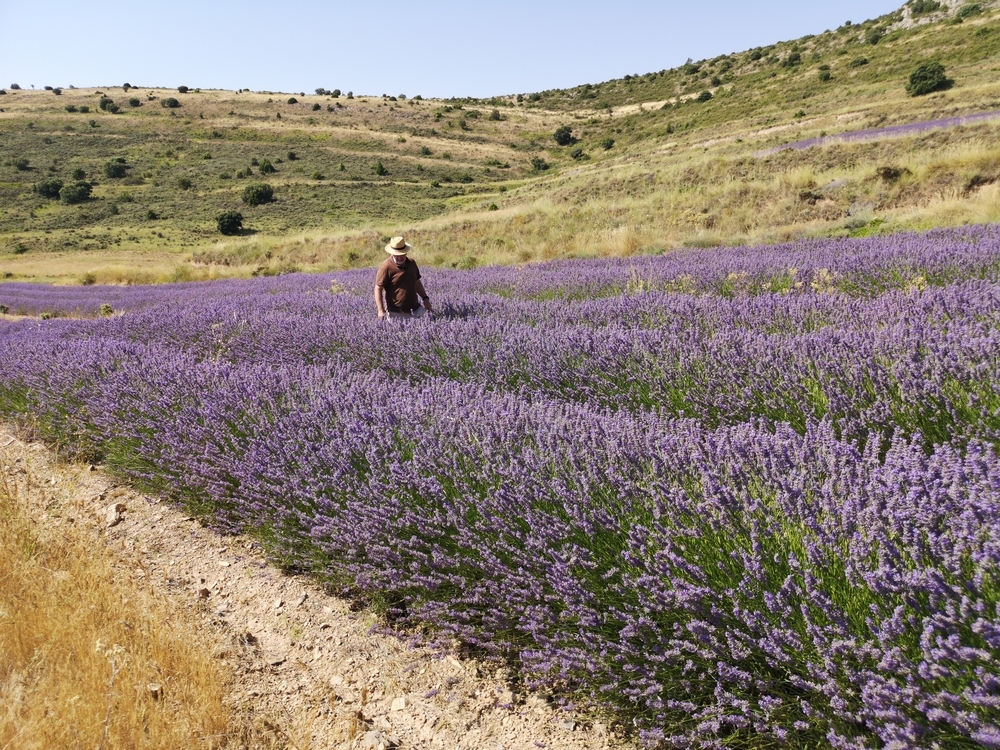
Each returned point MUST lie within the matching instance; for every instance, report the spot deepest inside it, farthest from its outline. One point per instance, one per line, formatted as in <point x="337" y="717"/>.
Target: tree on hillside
<point x="258" y="194"/>
<point x="229" y="222"/>
<point x="928" y="77"/>
<point x="564" y="135"/>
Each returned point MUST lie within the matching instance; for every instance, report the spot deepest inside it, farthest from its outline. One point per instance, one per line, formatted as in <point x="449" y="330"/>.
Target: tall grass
<point x="80" y="647"/>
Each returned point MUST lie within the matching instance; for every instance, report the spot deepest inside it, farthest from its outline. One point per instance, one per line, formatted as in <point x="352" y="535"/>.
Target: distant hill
<point x="639" y="164"/>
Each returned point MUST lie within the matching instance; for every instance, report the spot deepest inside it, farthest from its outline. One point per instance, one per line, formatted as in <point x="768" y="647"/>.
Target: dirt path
<point x="307" y="669"/>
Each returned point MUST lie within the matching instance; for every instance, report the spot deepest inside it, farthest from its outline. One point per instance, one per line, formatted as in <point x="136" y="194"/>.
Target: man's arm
<point x="379" y="304"/>
<point x="423" y="295"/>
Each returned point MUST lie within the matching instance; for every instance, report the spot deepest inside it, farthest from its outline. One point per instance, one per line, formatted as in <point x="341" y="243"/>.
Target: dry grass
<point x="80" y="647"/>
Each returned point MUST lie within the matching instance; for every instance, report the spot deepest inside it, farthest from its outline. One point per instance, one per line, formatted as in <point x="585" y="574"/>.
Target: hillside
<point x="651" y="162"/>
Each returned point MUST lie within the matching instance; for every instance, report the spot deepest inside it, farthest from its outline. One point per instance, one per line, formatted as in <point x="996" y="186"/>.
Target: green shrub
<point x="84" y="109"/>
<point x="71" y="108"/>
<point x="316" y="107"/>
<point x="105" y="102"/>
<point x="928" y="77"/>
<point x="704" y="96"/>
<point x="22" y="164"/>
<point x="182" y="89"/>
<point x="716" y="81"/>
<point x="874" y="35"/>
<point x="106" y="310"/>
<point x="967" y="11"/>
<point x="78" y="192"/>
<point x="607" y="144"/>
<point x="923" y="6"/>
<point x="266" y="167"/>
<point x="318" y="176"/>
<point x="857" y="62"/>
<point x="425" y="151"/>
<point x="229" y="222"/>
<point x="493" y="207"/>
<point x="79" y="174"/>
<point x="258" y="194"/>
<point x="539" y="164"/>
<point x="564" y="135"/>
<point x="134" y="102"/>
<point x="495" y="115"/>
<point x="793" y="59"/>
<point x="292" y="100"/>
<point x="292" y="156"/>
<point x="170" y="103"/>
<point x="184" y="183"/>
<point x="49" y="188"/>
<point x="825" y="75"/>
<point x="115" y="169"/>
<point x="380" y="169"/>
<point x="151" y="215"/>
<point x="577" y="153"/>
<point x="335" y="93"/>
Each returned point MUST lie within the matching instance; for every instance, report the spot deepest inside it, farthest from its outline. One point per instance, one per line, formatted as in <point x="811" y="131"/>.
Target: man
<point x="399" y="279"/>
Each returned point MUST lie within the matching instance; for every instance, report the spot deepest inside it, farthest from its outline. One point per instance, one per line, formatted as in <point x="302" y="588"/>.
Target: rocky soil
<point x="308" y="672"/>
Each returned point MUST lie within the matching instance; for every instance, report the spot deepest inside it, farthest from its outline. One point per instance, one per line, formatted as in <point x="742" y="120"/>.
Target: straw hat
<point x="398" y="246"/>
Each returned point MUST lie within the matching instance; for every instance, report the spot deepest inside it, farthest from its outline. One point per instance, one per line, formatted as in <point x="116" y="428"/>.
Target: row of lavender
<point x="732" y="575"/>
<point x="859" y="267"/>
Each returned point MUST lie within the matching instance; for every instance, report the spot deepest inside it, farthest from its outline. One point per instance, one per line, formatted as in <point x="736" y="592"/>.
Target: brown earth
<point x="307" y="671"/>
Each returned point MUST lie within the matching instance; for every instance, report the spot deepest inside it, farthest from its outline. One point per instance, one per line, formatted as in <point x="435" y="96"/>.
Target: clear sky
<point x="441" y="49"/>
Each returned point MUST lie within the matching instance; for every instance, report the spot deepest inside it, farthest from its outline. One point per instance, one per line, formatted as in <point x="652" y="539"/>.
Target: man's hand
<point x="381" y="315"/>
<point x="427" y="305"/>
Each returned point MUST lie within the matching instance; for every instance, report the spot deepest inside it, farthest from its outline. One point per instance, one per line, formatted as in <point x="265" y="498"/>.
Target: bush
<point x="825" y="75"/>
<point x="704" y="96"/>
<point x="335" y="93"/>
<point x="316" y="107"/>
<point x="49" y="188"/>
<point x="134" y="102"/>
<point x="292" y="100"/>
<point x="229" y="222"/>
<point x="924" y="6"/>
<point x="258" y="194"/>
<point x="79" y="174"/>
<point x="115" y="169"/>
<point x="106" y="310"/>
<point x="84" y="109"/>
<point x="577" y="153"/>
<point x="425" y="151"/>
<point x="967" y="11"/>
<point x="71" y="108"/>
<point x="793" y="59"/>
<point x="22" y="164"/>
<point x="874" y="35"/>
<point x="380" y="170"/>
<point x="495" y="115"/>
<point x="292" y="156"/>
<point x="184" y="183"/>
<point x="564" y="135"/>
<point x="266" y="167"/>
<point x="928" y="77"/>
<point x="151" y="215"/>
<point x="607" y="144"/>
<point x="539" y="164"/>
<point x="170" y="103"/>
<point x="716" y="81"/>
<point x="182" y="89"/>
<point x="15" y="87"/>
<point x="858" y="62"/>
<point x="78" y="192"/>
<point x="57" y="91"/>
<point x="105" y="103"/>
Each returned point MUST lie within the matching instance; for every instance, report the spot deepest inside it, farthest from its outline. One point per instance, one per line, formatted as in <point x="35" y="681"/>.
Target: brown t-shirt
<point x="400" y="284"/>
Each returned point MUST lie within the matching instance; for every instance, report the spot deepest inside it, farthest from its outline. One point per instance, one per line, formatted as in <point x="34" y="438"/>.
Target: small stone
<point x="301" y="600"/>
<point x="399" y="704"/>
<point x="155" y="691"/>
<point x="274" y="660"/>
<point x="204" y="593"/>
<point x="324" y="626"/>
<point x="337" y="679"/>
<point x="225" y="563"/>
<point x="91" y="467"/>
<point x="570" y="725"/>
<point x="278" y="603"/>
<point x="114" y="514"/>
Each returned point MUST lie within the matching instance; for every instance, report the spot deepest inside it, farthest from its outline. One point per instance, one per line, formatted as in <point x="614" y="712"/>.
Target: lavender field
<point x="743" y="497"/>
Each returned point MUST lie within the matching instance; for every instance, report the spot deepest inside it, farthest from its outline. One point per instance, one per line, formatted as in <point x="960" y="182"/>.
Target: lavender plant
<point x="740" y="499"/>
